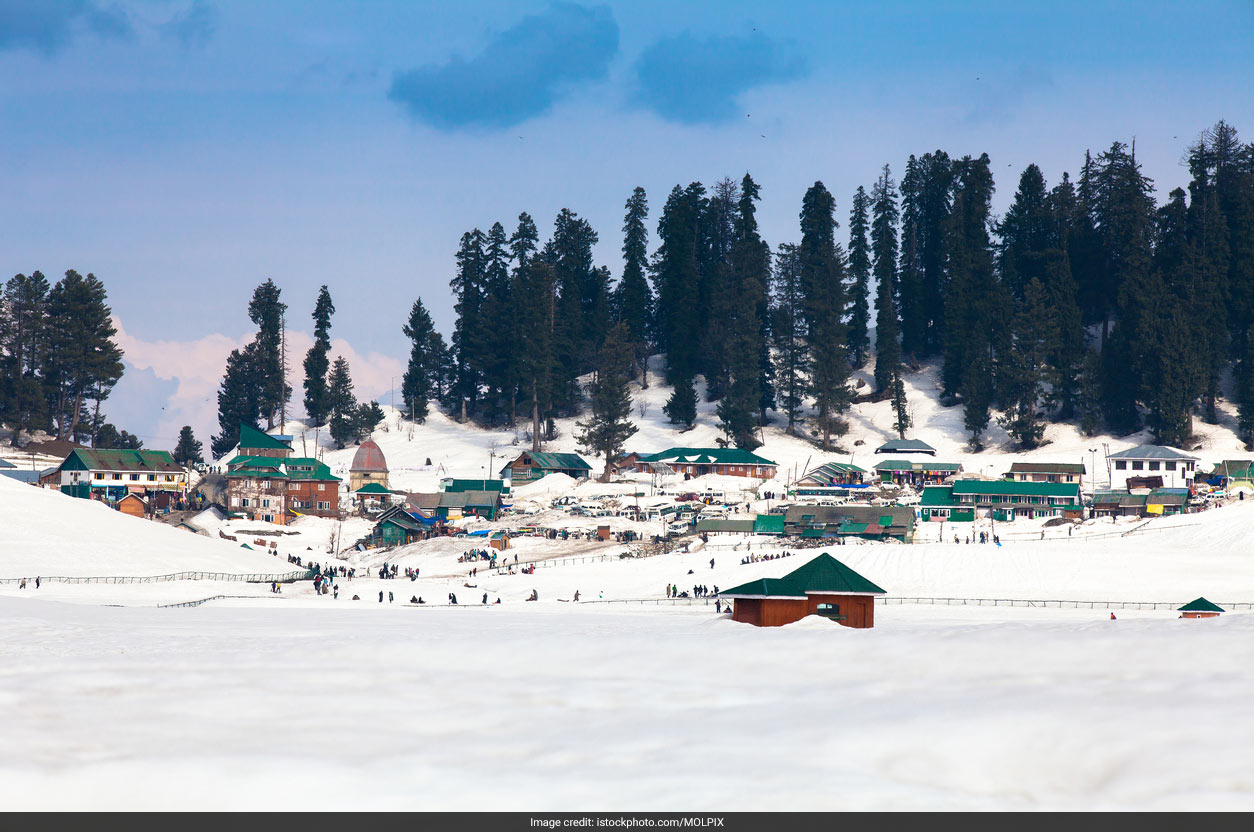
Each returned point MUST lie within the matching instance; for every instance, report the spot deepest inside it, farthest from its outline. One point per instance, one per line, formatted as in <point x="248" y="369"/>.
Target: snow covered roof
<point x="905" y="446"/>
<point x="1151" y="452"/>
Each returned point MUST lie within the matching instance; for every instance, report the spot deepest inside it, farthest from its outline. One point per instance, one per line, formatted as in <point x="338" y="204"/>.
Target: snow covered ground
<point x="624" y="700"/>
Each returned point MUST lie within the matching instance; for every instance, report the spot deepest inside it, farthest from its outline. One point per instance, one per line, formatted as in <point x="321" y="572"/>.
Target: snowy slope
<point x="44" y="532"/>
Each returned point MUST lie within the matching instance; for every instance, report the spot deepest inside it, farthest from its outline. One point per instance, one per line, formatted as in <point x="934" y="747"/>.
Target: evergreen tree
<point x="860" y="275"/>
<point x="977" y="307"/>
<point x="22" y="402"/>
<point x="188" y="450"/>
<point x="1066" y="353"/>
<point x="316" y="362"/>
<point x="789" y="334"/>
<point x="718" y="290"/>
<point x="107" y="436"/>
<point x="822" y="281"/>
<point x="1244" y="393"/>
<point x="582" y="307"/>
<point x="901" y="412"/>
<point x="1089" y="396"/>
<point x="82" y="361"/>
<point x="427" y="357"/>
<point x="677" y="283"/>
<point x="749" y="262"/>
<point x="1023" y="367"/>
<point x="266" y="311"/>
<point x="345" y="415"/>
<point x="681" y="407"/>
<point x="497" y="365"/>
<point x="368" y="417"/>
<point x="468" y="333"/>
<point x="909" y="293"/>
<point x="884" y="245"/>
<point x="609" y="421"/>
<point x="633" y="301"/>
<point x="238" y="400"/>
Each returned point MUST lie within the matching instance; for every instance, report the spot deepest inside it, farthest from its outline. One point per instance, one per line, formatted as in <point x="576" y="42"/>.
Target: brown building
<point x="369" y="466"/>
<point x="697" y="462"/>
<point x="824" y="587"/>
<point x="266" y="483"/>
<point x="1201" y="608"/>
<point x="133" y="504"/>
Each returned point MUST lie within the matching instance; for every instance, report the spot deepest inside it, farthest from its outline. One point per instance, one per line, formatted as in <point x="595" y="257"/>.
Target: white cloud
<point x="197" y="365"/>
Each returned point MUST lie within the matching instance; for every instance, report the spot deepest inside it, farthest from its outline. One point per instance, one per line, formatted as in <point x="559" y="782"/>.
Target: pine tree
<point x="266" y="311"/>
<point x="901" y="412"/>
<point x="822" y="280"/>
<point x="749" y="264"/>
<point x="677" y="283"/>
<point x="496" y="361"/>
<point x="427" y="356"/>
<point x="468" y="333"/>
<point x="582" y="307"/>
<point x="344" y="412"/>
<point x="81" y="361"/>
<point x="977" y="306"/>
<point x="789" y="334"/>
<point x="884" y="245"/>
<point x="1089" y="395"/>
<point x="909" y="294"/>
<point x="316" y="362"/>
<point x="633" y="302"/>
<point x="368" y="417"/>
<point x="860" y="275"/>
<point x="609" y="424"/>
<point x="1023" y="367"/>
<point x="1244" y="393"/>
<point x="1066" y="353"/>
<point x="22" y="402"/>
<point x="238" y="398"/>
<point x="108" y="436"/>
<point x="681" y="407"/>
<point x="188" y="450"/>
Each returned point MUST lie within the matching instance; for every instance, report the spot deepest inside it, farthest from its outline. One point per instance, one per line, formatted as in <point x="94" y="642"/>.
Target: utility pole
<point x="283" y="359"/>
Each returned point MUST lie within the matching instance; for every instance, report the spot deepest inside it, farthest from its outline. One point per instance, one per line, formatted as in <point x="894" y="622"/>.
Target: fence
<point x="1055" y="604"/>
<point x="302" y="575"/>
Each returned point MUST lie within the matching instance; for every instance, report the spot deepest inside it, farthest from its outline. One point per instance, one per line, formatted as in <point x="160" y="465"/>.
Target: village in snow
<point x="441" y="589"/>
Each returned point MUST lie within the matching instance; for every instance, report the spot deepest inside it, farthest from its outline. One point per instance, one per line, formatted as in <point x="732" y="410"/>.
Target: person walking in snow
<point x="36" y="582"/>
<point x="576" y="595"/>
<point x="380" y="596"/>
<point x="711" y="563"/>
<point x="389" y="597"/>
<point x="336" y="595"/>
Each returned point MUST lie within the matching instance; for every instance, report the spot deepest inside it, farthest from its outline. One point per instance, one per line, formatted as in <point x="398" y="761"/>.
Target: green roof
<point x="823" y="575"/>
<point x="1016" y="489"/>
<point x="1201" y="605"/>
<point x="372" y="488"/>
<point x="1235" y="468"/>
<point x="769" y="524"/>
<point x="909" y="465"/>
<point x="87" y="459"/>
<point x="453" y="486"/>
<point x="250" y="437"/>
<point x="557" y="462"/>
<point x="707" y="456"/>
<point x="937" y="495"/>
<point x="293" y="468"/>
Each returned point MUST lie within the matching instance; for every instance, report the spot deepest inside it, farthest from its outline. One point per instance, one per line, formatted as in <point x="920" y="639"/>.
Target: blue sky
<point x="185" y="151"/>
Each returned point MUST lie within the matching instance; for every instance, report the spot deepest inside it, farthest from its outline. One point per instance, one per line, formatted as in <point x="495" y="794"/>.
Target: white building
<point x="1176" y="468"/>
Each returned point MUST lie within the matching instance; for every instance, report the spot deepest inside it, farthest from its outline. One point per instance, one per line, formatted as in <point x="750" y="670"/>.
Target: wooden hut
<point x="824" y="587"/>
<point x="133" y="504"/>
<point x="1200" y="608"/>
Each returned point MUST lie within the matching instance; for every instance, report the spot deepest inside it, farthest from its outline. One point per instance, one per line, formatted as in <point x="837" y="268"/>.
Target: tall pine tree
<point x="633" y="302"/>
<point x="822" y="281"/>
<point x="316" y="361"/>
<point x="609" y="424"/>
<point x="860" y="276"/>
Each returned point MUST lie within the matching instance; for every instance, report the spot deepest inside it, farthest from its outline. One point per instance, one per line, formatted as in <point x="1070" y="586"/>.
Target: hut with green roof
<point x="1200" y="608"/>
<point x="824" y="586"/>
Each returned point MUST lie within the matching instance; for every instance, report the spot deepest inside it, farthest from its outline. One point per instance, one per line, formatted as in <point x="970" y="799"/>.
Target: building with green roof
<point x="253" y="442"/>
<point x="530" y="466"/>
<point x="111" y="474"/>
<point x="269" y="488"/>
<point x="697" y="462"/>
<point x="822" y="586"/>
<point x="1200" y="608"/>
<point x="1011" y="500"/>
<point x="908" y="472"/>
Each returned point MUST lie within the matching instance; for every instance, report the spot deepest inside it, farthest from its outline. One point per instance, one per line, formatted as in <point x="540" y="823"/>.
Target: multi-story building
<point x="266" y="483"/>
<point x="110" y="475"/>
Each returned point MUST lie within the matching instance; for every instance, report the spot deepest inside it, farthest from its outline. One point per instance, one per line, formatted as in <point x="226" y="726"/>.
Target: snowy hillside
<point x="44" y="532"/>
<point x="468" y="451"/>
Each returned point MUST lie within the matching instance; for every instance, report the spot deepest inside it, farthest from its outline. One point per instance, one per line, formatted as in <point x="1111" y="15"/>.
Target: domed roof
<point x="369" y="458"/>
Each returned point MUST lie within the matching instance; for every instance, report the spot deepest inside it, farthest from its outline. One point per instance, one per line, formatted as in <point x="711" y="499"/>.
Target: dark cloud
<point x="193" y="27"/>
<point x="693" y="80"/>
<point x="48" y="25"/>
<point x="519" y="74"/>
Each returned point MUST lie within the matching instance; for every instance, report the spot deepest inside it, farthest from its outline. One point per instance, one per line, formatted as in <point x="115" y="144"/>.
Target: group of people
<point x="698" y="591"/>
<point x="387" y="572"/>
<point x="323" y="585"/>
<point x="985" y="537"/>
<point x="748" y="559"/>
<point x="411" y="572"/>
<point x="22" y="585"/>
<point x="477" y="555"/>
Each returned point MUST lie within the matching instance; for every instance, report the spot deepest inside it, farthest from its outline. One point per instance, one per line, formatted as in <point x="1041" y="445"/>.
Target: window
<point x="829" y="610"/>
<point x="269" y="518"/>
<point x="245" y="502"/>
<point x="1120" y="465"/>
<point x="1138" y="465"/>
<point x="1170" y="466"/>
<point x="134" y="477"/>
<point x="235" y="501"/>
<point x="265" y="503"/>
<point x="152" y="478"/>
<point x="169" y="478"/>
<point x="322" y="486"/>
<point x="115" y="477"/>
<point x="1153" y="466"/>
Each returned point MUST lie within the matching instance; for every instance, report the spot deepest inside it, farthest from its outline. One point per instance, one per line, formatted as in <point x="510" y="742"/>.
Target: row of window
<point x="250" y="483"/>
<point x="135" y="477"/>
<point x="1140" y="465"/>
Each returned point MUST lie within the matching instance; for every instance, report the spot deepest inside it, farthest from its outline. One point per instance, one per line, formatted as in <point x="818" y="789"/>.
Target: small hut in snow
<point x="824" y="586"/>
<point x="1200" y="608"/>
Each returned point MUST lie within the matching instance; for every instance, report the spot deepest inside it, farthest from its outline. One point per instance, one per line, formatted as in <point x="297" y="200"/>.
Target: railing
<point x="1055" y="604"/>
<point x="254" y="578"/>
